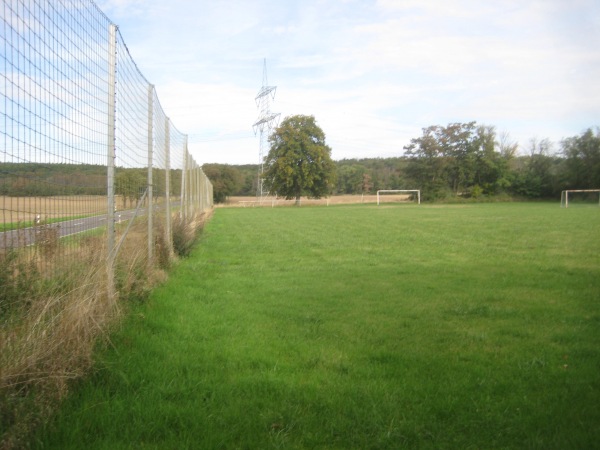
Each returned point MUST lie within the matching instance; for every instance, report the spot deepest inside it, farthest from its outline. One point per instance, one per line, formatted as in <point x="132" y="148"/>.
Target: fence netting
<point x="86" y="150"/>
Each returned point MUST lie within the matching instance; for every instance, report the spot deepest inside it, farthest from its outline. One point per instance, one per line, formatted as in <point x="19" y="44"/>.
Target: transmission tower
<point x="264" y="124"/>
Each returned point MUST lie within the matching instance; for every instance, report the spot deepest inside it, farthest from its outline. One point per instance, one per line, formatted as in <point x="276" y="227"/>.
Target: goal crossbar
<point x="400" y="191"/>
<point x="564" y="195"/>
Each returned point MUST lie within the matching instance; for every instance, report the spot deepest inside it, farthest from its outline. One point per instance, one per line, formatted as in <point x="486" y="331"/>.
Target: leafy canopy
<point x="461" y="158"/>
<point x="582" y="165"/>
<point x="299" y="162"/>
<point x="226" y="180"/>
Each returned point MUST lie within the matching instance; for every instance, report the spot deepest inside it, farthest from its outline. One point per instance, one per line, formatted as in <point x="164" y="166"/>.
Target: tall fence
<point x="86" y="150"/>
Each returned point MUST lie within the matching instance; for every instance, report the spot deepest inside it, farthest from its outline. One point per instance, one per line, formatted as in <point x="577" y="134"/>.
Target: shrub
<point x="185" y="233"/>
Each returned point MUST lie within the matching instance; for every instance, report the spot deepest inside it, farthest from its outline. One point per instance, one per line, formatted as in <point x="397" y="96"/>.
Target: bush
<point x="185" y="233"/>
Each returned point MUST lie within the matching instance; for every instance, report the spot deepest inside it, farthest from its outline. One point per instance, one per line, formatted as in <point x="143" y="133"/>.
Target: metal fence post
<point x="169" y="234"/>
<point x="110" y="175"/>
<point x="184" y="181"/>
<point x="194" y="186"/>
<point x="150" y="212"/>
<point x="201" y="191"/>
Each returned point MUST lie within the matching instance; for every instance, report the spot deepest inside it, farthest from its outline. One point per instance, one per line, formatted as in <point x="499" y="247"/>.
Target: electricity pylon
<point x="264" y="124"/>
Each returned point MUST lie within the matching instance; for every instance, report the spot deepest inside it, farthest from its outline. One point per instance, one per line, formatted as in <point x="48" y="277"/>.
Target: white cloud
<point x="372" y="73"/>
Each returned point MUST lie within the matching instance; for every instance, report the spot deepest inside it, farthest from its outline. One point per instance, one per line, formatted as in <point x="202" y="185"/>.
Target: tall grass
<point x="49" y="327"/>
<point x="52" y="315"/>
<point x="360" y="327"/>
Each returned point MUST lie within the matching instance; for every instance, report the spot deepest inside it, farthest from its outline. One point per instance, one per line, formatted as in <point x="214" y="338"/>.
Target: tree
<point x="461" y="158"/>
<point x="506" y="146"/>
<point x="444" y="158"/>
<point x="461" y="148"/>
<point x="536" y="177"/>
<point x="349" y="178"/>
<point x="299" y="162"/>
<point x="131" y="184"/>
<point x="367" y="184"/>
<point x="582" y="160"/>
<point x="492" y="160"/>
<point x="428" y="162"/>
<point x="226" y="180"/>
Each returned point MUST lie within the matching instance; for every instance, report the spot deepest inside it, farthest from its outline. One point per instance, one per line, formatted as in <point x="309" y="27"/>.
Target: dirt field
<point x="24" y="209"/>
<point x="249" y="202"/>
<point x="21" y="209"/>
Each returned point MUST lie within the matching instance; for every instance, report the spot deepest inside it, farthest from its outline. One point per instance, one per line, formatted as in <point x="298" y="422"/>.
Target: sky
<point x="373" y="73"/>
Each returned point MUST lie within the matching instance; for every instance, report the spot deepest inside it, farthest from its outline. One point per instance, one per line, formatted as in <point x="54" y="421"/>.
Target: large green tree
<point x="461" y="158"/>
<point x="536" y="174"/>
<point x="299" y="162"/>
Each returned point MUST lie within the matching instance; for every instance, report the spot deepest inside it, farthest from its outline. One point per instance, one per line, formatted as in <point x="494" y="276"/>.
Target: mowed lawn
<point x="351" y="327"/>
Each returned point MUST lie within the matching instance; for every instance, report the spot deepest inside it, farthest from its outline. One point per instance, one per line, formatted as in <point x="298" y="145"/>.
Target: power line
<point x="264" y="124"/>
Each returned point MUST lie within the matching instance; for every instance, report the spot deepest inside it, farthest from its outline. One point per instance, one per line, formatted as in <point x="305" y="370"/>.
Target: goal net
<point x="579" y="196"/>
<point x="399" y="196"/>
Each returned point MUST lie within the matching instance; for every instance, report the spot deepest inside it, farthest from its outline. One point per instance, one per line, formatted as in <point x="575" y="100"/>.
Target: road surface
<point x="27" y="236"/>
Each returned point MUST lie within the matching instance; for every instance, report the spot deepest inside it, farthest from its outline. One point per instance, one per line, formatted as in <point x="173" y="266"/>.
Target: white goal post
<point x="400" y="191"/>
<point x="564" y="196"/>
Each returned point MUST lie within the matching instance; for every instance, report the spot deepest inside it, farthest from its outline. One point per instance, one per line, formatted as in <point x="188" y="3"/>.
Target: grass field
<point x="467" y="327"/>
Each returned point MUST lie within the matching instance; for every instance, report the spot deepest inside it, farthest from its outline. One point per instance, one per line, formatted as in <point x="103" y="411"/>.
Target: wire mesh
<point x="53" y="95"/>
<point x="60" y="88"/>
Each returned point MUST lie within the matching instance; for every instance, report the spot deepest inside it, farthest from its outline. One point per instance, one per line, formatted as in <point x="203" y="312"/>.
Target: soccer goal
<point x="564" y="196"/>
<point x="400" y="195"/>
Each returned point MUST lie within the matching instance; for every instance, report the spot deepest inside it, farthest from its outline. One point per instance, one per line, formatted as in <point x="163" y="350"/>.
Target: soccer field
<point x="403" y="326"/>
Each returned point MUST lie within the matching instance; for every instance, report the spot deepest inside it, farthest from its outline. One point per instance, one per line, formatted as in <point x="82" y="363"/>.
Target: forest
<point x="460" y="160"/>
<point x="27" y="179"/>
<point x="37" y="179"/>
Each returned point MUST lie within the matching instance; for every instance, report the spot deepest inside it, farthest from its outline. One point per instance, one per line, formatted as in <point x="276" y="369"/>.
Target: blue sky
<point x="372" y="72"/>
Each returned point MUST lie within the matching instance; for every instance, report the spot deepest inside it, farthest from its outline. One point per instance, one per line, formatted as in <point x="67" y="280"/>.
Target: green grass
<point x="464" y="327"/>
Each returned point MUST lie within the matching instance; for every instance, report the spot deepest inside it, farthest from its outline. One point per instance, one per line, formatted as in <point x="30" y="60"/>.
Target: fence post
<point x="208" y="192"/>
<point x="169" y="235"/>
<point x="200" y="190"/>
<point x="110" y="173"/>
<point x="193" y="187"/>
<point x="150" y="169"/>
<point x="184" y="198"/>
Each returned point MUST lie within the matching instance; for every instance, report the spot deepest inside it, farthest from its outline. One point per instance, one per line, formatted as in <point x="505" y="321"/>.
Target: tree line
<point x="457" y="160"/>
<point x="36" y="179"/>
<point x="44" y="180"/>
<point x="464" y="160"/>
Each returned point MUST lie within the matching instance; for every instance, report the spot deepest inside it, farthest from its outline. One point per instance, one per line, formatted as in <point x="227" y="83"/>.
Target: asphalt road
<point x="29" y="236"/>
